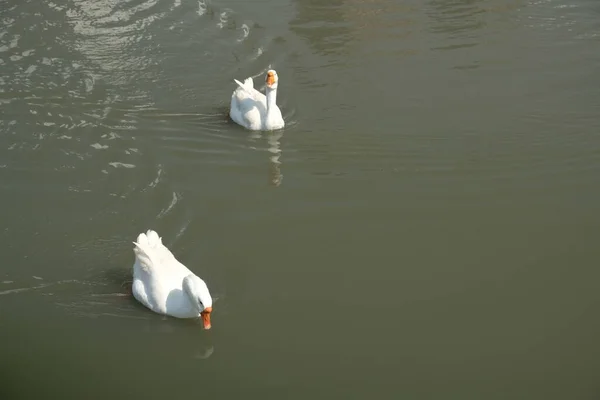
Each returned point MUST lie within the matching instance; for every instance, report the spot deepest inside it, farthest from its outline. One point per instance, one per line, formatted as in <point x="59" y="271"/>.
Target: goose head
<point x="271" y="79"/>
<point x="200" y="297"/>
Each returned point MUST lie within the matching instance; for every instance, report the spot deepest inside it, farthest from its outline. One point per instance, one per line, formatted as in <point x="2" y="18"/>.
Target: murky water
<point x="425" y="226"/>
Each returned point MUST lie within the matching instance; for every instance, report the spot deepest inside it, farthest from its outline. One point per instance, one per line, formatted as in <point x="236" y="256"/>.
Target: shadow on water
<point x="118" y="277"/>
<point x="117" y="301"/>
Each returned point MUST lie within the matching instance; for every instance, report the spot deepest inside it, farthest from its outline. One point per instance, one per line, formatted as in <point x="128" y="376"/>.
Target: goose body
<point x="166" y="286"/>
<point x="254" y="110"/>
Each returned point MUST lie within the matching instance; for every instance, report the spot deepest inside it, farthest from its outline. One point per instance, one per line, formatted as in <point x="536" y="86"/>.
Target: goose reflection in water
<point x="275" y="176"/>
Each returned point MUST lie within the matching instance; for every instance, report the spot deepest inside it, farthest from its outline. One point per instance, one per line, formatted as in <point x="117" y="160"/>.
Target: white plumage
<point x="166" y="286"/>
<point x="254" y="110"/>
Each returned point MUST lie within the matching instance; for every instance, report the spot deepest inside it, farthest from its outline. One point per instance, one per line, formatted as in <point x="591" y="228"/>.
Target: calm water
<point x="425" y="227"/>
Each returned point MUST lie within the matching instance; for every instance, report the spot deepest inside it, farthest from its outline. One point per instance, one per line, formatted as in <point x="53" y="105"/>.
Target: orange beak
<point x="270" y="79"/>
<point x="206" y="317"/>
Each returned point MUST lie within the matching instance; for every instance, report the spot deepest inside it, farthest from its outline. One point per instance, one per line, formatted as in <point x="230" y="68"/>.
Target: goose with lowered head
<point x="254" y="110"/>
<point x="166" y="286"/>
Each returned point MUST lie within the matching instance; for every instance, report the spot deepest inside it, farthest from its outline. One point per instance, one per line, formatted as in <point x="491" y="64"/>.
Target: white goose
<point x="165" y="285"/>
<point x="252" y="109"/>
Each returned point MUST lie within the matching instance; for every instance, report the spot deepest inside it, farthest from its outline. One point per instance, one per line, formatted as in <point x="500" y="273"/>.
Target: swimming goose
<point x="166" y="286"/>
<point x="252" y="109"/>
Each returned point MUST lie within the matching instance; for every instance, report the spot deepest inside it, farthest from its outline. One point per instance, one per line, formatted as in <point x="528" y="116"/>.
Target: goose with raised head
<point x="254" y="110"/>
<point x="166" y="286"/>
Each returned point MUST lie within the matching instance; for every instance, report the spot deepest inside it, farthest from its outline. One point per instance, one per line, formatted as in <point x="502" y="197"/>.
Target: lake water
<point x="426" y="226"/>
